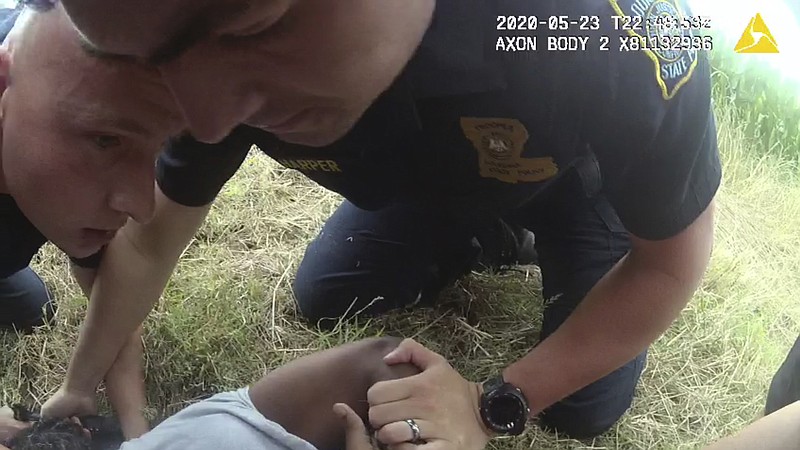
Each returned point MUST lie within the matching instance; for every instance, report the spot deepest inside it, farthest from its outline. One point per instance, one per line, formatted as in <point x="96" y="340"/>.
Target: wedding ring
<point x="416" y="437"/>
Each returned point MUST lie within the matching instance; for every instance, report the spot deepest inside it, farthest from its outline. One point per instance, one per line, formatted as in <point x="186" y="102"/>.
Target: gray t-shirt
<point x="224" y="421"/>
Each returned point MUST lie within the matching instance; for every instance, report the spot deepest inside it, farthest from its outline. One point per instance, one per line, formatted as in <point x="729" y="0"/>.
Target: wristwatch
<point x="504" y="408"/>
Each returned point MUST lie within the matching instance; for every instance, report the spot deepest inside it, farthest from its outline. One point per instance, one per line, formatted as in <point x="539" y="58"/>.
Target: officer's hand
<point x="443" y="404"/>
<point x="357" y="437"/>
<point x="66" y="403"/>
<point x="9" y="427"/>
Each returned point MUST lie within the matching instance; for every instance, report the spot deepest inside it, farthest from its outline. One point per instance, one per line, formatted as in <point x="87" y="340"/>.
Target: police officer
<point x="76" y="162"/>
<point x="56" y="183"/>
<point x="441" y="123"/>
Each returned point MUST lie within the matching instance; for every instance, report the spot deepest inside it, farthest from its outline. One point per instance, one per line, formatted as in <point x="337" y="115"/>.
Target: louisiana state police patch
<point x="660" y="31"/>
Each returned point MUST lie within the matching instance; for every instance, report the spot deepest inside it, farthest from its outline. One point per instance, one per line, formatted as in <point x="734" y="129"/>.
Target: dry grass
<point x="227" y="314"/>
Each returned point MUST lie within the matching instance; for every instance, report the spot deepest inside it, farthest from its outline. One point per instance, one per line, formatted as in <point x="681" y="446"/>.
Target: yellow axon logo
<point x="756" y="38"/>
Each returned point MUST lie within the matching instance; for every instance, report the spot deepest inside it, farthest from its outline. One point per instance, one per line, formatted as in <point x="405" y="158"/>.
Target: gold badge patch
<point x="669" y="41"/>
<point x="500" y="143"/>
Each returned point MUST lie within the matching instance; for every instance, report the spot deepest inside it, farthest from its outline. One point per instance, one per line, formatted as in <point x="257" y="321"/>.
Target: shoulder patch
<point x="666" y="41"/>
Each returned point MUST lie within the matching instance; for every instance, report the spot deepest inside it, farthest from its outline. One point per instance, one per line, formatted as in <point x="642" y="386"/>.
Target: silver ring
<point x="414" y="431"/>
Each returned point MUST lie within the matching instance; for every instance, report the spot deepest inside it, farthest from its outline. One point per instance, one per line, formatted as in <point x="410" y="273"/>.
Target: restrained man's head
<point x="62" y="434"/>
<point x="28" y="431"/>
<point x="305" y="70"/>
<point x="79" y="134"/>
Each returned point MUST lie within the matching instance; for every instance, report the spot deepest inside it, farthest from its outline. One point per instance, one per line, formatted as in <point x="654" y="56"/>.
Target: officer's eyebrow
<point x="165" y="52"/>
<point x="196" y="27"/>
<point x="97" y="115"/>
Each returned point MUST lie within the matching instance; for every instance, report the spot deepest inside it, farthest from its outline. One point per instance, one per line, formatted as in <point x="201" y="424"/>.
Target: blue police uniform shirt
<point x="473" y="127"/>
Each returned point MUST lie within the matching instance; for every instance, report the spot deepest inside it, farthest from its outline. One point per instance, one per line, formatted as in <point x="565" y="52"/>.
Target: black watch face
<point x="506" y="411"/>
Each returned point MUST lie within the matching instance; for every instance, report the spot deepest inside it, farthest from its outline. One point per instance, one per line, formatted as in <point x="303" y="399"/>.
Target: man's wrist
<point x="80" y="383"/>
<point x="478" y="389"/>
<point x="85" y="371"/>
<point x="504" y="407"/>
<point x="79" y="388"/>
<point x="541" y="375"/>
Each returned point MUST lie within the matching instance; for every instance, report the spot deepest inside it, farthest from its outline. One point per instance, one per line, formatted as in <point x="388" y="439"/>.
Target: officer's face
<point x="79" y="135"/>
<point x="305" y="70"/>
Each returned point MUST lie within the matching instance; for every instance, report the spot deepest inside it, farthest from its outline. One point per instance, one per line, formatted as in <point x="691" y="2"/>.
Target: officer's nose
<point x="134" y="192"/>
<point x="213" y="98"/>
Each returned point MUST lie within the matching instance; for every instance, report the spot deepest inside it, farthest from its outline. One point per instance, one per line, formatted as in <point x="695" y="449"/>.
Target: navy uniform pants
<point x="407" y="253"/>
<point x="785" y="387"/>
<point x="24" y="301"/>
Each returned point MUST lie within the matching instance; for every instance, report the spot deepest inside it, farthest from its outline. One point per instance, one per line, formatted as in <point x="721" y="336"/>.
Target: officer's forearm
<point x="126" y="389"/>
<point x="124" y="380"/>
<point x="125" y="290"/>
<point x="617" y="320"/>
<point x="136" y="266"/>
<point x="628" y="309"/>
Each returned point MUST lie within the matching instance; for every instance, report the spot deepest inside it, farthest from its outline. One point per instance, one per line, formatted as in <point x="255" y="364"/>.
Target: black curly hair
<point x="64" y="434"/>
<point x="58" y="434"/>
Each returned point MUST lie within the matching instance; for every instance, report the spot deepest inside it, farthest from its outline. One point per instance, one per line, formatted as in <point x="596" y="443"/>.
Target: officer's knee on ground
<point x="25" y="302"/>
<point x="315" y="302"/>
<point x="594" y="409"/>
<point x="579" y="423"/>
<point x="325" y="302"/>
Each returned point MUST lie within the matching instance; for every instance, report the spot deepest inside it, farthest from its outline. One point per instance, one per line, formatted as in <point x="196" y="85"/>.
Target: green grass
<point x="227" y="315"/>
<point x="768" y="102"/>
